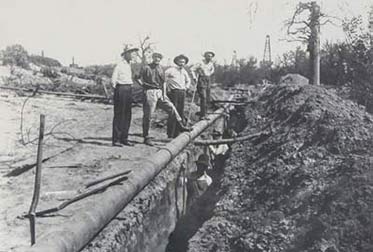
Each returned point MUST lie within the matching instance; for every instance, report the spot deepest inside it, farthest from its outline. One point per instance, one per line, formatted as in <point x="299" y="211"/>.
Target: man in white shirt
<point x="177" y="81"/>
<point x="122" y="82"/>
<point x="202" y="74"/>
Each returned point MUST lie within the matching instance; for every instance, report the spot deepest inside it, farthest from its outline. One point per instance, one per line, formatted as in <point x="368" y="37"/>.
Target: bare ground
<point x="79" y="150"/>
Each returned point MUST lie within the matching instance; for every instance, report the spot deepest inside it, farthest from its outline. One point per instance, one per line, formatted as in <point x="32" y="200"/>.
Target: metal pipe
<point x="86" y="224"/>
<point x="229" y="140"/>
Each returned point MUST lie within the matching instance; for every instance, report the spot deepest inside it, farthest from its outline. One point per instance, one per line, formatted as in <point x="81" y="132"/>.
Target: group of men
<point x="165" y="89"/>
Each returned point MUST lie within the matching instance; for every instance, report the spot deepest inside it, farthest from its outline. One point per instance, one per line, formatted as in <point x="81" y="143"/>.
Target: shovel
<point x="190" y="107"/>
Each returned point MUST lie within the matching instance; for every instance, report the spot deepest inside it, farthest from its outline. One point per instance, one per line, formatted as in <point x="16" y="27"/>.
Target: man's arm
<point x="194" y="70"/>
<point x="114" y="77"/>
<point x="212" y="69"/>
<point x="187" y="80"/>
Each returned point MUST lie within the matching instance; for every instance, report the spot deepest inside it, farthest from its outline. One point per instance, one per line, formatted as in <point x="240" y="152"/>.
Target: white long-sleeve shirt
<point x="177" y="78"/>
<point x="203" y="68"/>
<point x="122" y="74"/>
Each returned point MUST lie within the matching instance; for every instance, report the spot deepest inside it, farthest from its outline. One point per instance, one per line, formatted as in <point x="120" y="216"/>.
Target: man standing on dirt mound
<point x="178" y="81"/>
<point x="122" y="83"/>
<point x="202" y="74"/>
<point x="152" y="80"/>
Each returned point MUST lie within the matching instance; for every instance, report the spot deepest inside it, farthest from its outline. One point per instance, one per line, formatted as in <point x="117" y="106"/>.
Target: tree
<point x="146" y="49"/>
<point x="15" y="55"/>
<point x="304" y="26"/>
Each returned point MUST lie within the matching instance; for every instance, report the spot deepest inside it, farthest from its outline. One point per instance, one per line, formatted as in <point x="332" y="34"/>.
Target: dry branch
<point x="80" y="197"/>
<point x="57" y="93"/>
<point x="95" y="182"/>
<point x="37" y="184"/>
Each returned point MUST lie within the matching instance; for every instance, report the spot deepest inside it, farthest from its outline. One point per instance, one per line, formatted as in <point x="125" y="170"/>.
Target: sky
<point x="94" y="31"/>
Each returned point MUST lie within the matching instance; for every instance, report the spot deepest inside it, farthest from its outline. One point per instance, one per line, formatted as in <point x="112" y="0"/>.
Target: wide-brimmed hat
<point x="209" y="52"/>
<point x="157" y="54"/>
<point x="203" y="159"/>
<point x="181" y="56"/>
<point x="216" y="133"/>
<point x="129" y="50"/>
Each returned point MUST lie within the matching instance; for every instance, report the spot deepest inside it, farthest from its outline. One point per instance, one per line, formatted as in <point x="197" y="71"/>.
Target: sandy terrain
<point x="79" y="149"/>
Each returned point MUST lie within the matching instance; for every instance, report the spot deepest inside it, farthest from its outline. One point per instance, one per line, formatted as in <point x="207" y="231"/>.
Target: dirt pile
<point x="307" y="186"/>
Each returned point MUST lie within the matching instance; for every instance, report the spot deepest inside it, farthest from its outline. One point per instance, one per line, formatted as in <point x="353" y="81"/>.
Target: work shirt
<point x="177" y="78"/>
<point x="197" y="184"/>
<point x="122" y="74"/>
<point x="203" y="69"/>
<point x="152" y="76"/>
<point x="220" y="149"/>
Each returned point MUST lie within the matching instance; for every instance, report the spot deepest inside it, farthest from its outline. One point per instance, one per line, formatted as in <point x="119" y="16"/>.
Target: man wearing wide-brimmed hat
<point x="198" y="181"/>
<point x="177" y="81"/>
<point x="153" y="81"/>
<point x="220" y="152"/>
<point x="202" y="75"/>
<point x="122" y="83"/>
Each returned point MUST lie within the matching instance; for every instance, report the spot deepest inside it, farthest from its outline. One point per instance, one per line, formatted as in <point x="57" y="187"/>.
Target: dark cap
<point x="203" y="159"/>
<point x="157" y="55"/>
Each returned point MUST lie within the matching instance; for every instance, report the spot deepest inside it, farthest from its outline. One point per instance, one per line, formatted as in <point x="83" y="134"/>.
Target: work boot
<point x="148" y="141"/>
<point x="126" y="143"/>
<point x="116" y="144"/>
<point x="184" y="128"/>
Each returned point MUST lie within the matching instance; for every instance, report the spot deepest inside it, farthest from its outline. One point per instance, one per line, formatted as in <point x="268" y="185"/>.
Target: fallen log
<point x="56" y="93"/>
<point x="229" y="140"/>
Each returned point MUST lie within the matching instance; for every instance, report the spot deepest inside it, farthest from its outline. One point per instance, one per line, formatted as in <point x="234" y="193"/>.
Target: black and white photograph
<point x="186" y="125"/>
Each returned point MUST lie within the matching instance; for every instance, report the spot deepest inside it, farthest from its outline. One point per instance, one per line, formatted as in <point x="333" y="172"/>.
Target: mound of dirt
<point x="307" y="186"/>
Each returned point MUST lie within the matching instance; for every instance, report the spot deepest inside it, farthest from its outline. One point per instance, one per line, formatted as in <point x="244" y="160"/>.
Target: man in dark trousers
<point x="178" y="81"/>
<point x="153" y="81"/>
<point x="202" y="73"/>
<point x="122" y="83"/>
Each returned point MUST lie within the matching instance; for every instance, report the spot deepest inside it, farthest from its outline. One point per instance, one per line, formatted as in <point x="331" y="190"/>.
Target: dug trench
<point x="160" y="218"/>
<point x="305" y="186"/>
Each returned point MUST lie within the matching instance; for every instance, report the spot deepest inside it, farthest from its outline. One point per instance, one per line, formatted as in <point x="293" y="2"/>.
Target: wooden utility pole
<point x="35" y="197"/>
<point x="314" y="44"/>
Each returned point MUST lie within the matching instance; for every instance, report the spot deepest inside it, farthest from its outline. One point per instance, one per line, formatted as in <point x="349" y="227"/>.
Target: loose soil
<point x="307" y="186"/>
<point x="77" y="147"/>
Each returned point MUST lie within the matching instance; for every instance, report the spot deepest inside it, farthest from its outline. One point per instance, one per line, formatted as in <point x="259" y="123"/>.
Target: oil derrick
<point x="234" y="62"/>
<point x="267" y="57"/>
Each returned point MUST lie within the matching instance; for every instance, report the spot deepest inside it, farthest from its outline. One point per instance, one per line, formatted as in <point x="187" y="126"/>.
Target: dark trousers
<point x="122" y="112"/>
<point x="177" y="97"/>
<point x="203" y="89"/>
<point x="152" y="99"/>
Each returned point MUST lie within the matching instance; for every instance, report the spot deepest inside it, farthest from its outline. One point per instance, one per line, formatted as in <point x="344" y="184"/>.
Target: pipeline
<point x="86" y="224"/>
<point x="230" y="140"/>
